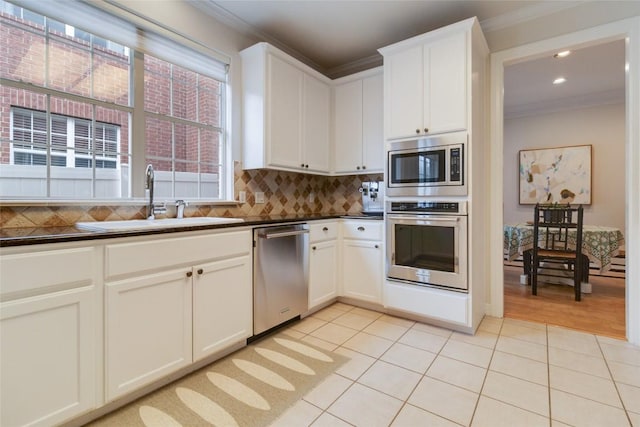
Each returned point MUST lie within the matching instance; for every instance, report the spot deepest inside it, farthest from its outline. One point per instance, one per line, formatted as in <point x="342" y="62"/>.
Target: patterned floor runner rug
<point x="250" y="387"/>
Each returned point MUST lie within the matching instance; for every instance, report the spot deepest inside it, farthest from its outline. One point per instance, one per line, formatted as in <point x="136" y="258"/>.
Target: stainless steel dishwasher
<point x="280" y="275"/>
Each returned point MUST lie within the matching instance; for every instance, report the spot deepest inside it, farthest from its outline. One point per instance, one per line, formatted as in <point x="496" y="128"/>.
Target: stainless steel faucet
<point x="149" y="184"/>
<point x="180" y="205"/>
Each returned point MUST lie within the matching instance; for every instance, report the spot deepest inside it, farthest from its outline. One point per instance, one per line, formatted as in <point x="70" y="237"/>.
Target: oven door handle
<point x="424" y="218"/>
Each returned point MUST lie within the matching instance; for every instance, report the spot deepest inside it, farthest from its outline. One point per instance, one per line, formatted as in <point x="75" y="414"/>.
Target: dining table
<point x="600" y="243"/>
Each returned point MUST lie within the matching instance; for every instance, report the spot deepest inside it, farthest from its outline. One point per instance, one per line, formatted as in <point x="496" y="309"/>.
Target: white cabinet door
<point x="404" y="76"/>
<point x="348" y="127"/>
<point x="372" y="124"/>
<point x="323" y="274"/>
<point x="48" y="358"/>
<point x="148" y="329"/>
<point x="283" y="113"/>
<point x="427" y="88"/>
<point x="358" y="138"/>
<point x="222" y="311"/>
<point x="315" y="125"/>
<point x="446" y="85"/>
<point x="362" y="270"/>
<point x="286" y="113"/>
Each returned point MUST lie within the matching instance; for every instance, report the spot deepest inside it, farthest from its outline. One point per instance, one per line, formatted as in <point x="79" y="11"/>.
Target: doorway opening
<point x="586" y="109"/>
<point x="622" y="30"/>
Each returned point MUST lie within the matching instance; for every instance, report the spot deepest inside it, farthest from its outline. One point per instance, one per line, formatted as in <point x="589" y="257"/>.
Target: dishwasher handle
<point x="276" y="235"/>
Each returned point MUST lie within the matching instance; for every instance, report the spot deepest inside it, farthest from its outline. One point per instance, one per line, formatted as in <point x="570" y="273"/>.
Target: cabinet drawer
<point x="323" y="231"/>
<point x="364" y="230"/>
<point x="33" y="273"/>
<point x="155" y="255"/>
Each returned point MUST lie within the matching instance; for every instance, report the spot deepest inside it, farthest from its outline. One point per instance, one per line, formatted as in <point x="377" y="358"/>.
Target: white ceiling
<point x="595" y="76"/>
<point x="338" y="37"/>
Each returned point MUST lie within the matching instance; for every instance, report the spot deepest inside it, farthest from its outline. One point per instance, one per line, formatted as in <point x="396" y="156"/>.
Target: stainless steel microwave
<point x="431" y="166"/>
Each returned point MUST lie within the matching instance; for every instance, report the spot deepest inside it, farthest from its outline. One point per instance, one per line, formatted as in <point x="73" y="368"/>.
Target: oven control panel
<point x="427" y="207"/>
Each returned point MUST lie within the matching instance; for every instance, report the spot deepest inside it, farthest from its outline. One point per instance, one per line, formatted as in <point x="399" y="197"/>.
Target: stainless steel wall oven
<point x="427" y="243"/>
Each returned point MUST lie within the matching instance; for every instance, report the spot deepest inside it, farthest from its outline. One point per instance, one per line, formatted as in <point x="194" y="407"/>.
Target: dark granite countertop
<point x="39" y="235"/>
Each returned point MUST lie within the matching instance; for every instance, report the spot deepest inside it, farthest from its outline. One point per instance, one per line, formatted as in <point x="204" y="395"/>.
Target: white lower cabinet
<point x="48" y="358"/>
<point x="161" y="322"/>
<point x="323" y="261"/>
<point x="323" y="274"/>
<point x="222" y="310"/>
<point x="49" y="336"/>
<point x="362" y="260"/>
<point x="148" y="329"/>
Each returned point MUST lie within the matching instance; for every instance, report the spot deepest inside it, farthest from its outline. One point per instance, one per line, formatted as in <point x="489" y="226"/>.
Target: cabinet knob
<point x="360" y="228"/>
<point x="301" y="165"/>
<point x="200" y="271"/>
<point x="426" y="130"/>
<point x="418" y="131"/>
<point x="377" y="246"/>
<point x="189" y="273"/>
<point x="325" y="229"/>
<point x="313" y="247"/>
<point x="358" y="167"/>
<point x="306" y="166"/>
<point x="363" y="167"/>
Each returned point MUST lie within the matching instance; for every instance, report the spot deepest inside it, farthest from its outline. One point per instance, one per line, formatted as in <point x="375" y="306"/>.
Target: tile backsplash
<point x="284" y="193"/>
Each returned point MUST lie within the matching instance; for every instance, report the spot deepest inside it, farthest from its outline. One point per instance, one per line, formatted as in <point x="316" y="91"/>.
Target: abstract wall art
<point x="556" y="175"/>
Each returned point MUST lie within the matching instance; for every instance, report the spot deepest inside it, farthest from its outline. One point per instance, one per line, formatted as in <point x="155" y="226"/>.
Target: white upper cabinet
<point x="286" y="112"/>
<point x="427" y="81"/>
<point x="316" y="113"/>
<point x="373" y="123"/>
<point x="358" y="142"/>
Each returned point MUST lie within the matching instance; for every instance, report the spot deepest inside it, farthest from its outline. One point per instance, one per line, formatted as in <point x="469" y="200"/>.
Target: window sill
<point x="109" y="202"/>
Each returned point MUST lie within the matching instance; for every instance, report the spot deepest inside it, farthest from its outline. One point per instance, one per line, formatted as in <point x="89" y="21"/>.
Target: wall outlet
<point x="259" y="197"/>
<point x="242" y="196"/>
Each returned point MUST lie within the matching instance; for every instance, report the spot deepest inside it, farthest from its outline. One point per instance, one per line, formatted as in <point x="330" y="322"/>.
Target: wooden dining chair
<point x="557" y="241"/>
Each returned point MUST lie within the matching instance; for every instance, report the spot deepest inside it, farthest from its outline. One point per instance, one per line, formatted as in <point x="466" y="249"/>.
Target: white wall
<point x="603" y="127"/>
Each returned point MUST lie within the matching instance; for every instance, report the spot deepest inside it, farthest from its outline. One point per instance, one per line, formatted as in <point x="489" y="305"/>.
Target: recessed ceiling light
<point x="562" y="54"/>
<point x="559" y="81"/>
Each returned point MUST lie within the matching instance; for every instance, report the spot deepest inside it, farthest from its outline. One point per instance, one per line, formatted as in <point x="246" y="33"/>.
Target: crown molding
<point x="356" y="66"/>
<point x="229" y="19"/>
<point x="609" y="97"/>
<point x="211" y="8"/>
<point x="525" y="14"/>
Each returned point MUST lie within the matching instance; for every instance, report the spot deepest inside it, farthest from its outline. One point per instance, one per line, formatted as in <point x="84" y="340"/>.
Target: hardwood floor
<point x="602" y="312"/>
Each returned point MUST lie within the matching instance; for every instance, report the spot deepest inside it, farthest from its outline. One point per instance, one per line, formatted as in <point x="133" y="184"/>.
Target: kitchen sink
<point x="149" y="224"/>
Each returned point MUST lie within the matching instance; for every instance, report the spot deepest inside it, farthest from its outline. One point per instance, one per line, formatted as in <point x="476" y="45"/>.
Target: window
<point x="68" y="109"/>
<point x="72" y="141"/>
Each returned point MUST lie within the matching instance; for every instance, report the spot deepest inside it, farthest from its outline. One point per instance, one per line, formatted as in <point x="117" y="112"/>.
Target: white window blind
<point x="122" y="26"/>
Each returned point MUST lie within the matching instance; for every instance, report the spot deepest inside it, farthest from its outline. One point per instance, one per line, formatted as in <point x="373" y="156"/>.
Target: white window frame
<point x="127" y="29"/>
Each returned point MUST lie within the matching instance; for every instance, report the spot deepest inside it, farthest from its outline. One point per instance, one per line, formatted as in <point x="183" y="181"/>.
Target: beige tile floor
<point x="511" y="373"/>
